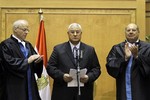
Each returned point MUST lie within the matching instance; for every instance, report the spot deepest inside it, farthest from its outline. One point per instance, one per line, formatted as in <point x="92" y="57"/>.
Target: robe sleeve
<point x="38" y="67"/>
<point x="12" y="60"/>
<point x="143" y="62"/>
<point x="115" y="62"/>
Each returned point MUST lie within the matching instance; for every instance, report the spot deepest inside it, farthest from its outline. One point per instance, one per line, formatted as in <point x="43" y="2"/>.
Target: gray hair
<point x="19" y="23"/>
<point x="74" y="25"/>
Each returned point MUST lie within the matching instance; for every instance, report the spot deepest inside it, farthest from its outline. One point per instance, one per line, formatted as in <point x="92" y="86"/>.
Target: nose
<point x="75" y="33"/>
<point x="131" y="32"/>
<point x="26" y="31"/>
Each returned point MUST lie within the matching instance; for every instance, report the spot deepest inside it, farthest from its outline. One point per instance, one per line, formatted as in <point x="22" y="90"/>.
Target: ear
<point x="15" y="29"/>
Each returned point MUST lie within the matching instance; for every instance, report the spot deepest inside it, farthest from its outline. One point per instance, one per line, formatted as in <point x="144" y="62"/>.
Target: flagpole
<point x="40" y="14"/>
<point x="43" y="82"/>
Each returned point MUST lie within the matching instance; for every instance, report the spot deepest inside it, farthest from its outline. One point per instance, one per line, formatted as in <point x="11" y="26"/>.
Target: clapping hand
<point x="131" y="50"/>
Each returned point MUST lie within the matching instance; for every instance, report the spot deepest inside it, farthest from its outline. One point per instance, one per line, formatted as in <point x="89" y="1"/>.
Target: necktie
<point x="128" y="79"/>
<point x="24" y="50"/>
<point x="25" y="53"/>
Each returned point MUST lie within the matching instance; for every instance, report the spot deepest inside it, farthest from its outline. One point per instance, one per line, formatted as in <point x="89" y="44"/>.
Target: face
<point x="21" y="31"/>
<point x="132" y="33"/>
<point x="74" y="34"/>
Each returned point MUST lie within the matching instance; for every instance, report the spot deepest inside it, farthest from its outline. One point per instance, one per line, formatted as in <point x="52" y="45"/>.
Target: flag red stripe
<point x="41" y="42"/>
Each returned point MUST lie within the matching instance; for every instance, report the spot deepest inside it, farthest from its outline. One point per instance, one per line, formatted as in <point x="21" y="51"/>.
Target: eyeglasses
<point x="24" y="29"/>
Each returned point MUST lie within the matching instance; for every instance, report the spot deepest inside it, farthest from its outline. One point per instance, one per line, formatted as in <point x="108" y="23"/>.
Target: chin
<point x="131" y="38"/>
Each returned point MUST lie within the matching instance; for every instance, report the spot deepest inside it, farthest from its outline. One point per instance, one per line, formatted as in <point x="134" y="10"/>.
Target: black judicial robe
<point x="2" y="80"/>
<point x="15" y="66"/>
<point x="140" y="71"/>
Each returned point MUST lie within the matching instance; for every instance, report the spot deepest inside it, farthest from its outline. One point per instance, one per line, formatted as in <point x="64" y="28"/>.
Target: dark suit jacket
<point x="140" y="71"/>
<point x="16" y="65"/>
<point x="60" y="62"/>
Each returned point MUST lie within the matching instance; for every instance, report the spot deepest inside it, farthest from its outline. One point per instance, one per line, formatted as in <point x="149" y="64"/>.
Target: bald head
<point x="132" y="25"/>
<point x="132" y="32"/>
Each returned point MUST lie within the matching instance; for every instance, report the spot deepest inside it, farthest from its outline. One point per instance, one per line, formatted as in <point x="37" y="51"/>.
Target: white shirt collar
<point x="72" y="46"/>
<point x="131" y="44"/>
<point x="22" y="42"/>
<point x="135" y="42"/>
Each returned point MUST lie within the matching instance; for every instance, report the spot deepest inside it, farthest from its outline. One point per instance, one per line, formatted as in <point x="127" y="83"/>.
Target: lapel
<point x="120" y="49"/>
<point x="16" y="47"/>
<point x="141" y="45"/>
<point x="29" y="49"/>
<point x="69" y="52"/>
<point x="83" y="49"/>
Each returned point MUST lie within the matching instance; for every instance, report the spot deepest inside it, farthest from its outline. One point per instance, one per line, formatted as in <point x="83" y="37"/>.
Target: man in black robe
<point x="2" y="79"/>
<point x="20" y="62"/>
<point x="132" y="81"/>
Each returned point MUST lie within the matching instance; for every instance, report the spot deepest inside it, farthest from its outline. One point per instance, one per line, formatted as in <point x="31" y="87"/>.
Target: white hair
<point x="74" y="25"/>
<point x="19" y="23"/>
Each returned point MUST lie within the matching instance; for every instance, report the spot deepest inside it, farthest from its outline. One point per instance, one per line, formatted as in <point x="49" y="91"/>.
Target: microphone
<point x="79" y="54"/>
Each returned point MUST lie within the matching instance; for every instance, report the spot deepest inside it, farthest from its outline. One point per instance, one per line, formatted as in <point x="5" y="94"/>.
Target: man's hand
<point x="84" y="79"/>
<point x="134" y="50"/>
<point x="36" y="58"/>
<point x="67" y="78"/>
<point x="40" y="58"/>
